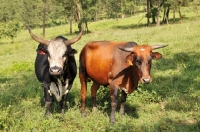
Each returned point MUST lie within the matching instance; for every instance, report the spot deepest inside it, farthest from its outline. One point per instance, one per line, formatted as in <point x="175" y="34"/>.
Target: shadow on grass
<point x="3" y="80"/>
<point x="140" y="25"/>
<point x="22" y="86"/>
<point x="25" y="87"/>
<point x="70" y="102"/>
<point x="104" y="102"/>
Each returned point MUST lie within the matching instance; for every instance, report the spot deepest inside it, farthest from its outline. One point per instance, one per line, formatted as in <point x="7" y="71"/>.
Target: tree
<point x="148" y="15"/>
<point x="158" y="12"/>
<point x="9" y="29"/>
<point x="166" y="6"/>
<point x="88" y="13"/>
<point x="44" y="18"/>
<point x="9" y="22"/>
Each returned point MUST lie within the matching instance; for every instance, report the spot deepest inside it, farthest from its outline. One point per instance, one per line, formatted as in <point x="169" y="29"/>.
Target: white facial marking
<point x="56" y="51"/>
<point x="142" y="49"/>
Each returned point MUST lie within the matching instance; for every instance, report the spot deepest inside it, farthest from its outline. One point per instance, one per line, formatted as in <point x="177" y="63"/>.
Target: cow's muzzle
<point x="146" y="79"/>
<point x="55" y="71"/>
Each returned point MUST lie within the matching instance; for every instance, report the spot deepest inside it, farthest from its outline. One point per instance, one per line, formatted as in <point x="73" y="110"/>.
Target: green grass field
<point x="170" y="103"/>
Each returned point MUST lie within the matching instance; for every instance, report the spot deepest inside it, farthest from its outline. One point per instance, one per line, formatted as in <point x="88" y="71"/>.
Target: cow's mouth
<point x="55" y="71"/>
<point x="145" y="80"/>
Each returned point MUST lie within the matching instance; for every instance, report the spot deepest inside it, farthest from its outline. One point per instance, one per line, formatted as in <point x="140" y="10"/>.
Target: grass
<point x="170" y="103"/>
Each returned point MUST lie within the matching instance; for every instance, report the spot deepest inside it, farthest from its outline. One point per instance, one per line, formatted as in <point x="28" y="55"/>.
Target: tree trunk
<point x="153" y="20"/>
<point x="78" y="13"/>
<point x="158" y="14"/>
<point x="70" y="24"/>
<point x="44" y="18"/>
<point x="148" y="12"/>
<point x="122" y="11"/>
<point x="86" y="26"/>
<point x="164" y="15"/>
<point x="174" y="15"/>
<point x="167" y="15"/>
<point x="179" y="12"/>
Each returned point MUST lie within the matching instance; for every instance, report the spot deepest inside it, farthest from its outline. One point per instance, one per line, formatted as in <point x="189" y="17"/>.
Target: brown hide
<point x="104" y="63"/>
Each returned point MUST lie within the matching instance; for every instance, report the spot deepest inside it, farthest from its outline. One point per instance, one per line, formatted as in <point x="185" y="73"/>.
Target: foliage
<point x="9" y="29"/>
<point x="60" y="12"/>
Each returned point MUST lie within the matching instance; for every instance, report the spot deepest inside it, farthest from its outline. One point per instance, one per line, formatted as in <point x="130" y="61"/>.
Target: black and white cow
<point x="55" y="68"/>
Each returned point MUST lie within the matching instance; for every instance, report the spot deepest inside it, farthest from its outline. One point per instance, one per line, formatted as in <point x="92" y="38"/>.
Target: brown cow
<point x="117" y="64"/>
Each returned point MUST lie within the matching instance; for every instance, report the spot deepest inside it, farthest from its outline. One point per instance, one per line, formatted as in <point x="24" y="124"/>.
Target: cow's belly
<point x="98" y="70"/>
<point x="58" y="90"/>
<point x="97" y="74"/>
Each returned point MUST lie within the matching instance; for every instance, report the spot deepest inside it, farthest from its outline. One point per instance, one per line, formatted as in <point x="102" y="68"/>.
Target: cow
<point x="55" y="68"/>
<point x="119" y="65"/>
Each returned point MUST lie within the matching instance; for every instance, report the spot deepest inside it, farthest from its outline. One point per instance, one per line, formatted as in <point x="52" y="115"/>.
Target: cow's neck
<point x="59" y="80"/>
<point x="132" y="80"/>
<point x="58" y="87"/>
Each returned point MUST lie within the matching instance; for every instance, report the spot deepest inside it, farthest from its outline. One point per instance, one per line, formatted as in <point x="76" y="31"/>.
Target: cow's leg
<point x="64" y="98"/>
<point x="94" y="89"/>
<point x="123" y="100"/>
<point x="83" y="80"/>
<point x="62" y="104"/>
<point x="48" y="98"/>
<point x="113" y="96"/>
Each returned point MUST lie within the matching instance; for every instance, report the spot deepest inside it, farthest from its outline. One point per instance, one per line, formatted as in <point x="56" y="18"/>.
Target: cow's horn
<point x="37" y="39"/>
<point x="158" y="46"/>
<point x="126" y="49"/>
<point x="72" y="41"/>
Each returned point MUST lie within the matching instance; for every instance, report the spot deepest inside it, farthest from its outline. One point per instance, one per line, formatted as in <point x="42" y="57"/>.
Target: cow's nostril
<point x="146" y="80"/>
<point x="55" y="70"/>
<point x="51" y="69"/>
<point x="58" y="70"/>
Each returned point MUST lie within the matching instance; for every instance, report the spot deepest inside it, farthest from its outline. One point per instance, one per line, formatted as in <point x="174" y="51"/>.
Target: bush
<point x="9" y="30"/>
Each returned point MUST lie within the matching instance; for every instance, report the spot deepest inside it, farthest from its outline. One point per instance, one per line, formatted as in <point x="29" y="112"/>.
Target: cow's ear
<point x="156" y="55"/>
<point x="72" y="52"/>
<point x="129" y="59"/>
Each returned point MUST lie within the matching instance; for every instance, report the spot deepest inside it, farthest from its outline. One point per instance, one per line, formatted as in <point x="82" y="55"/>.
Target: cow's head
<point x="57" y="51"/>
<point x="141" y="57"/>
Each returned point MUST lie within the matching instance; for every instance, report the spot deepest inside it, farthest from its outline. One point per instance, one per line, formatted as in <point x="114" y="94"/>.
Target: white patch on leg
<point x="49" y="91"/>
<point x="65" y="87"/>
